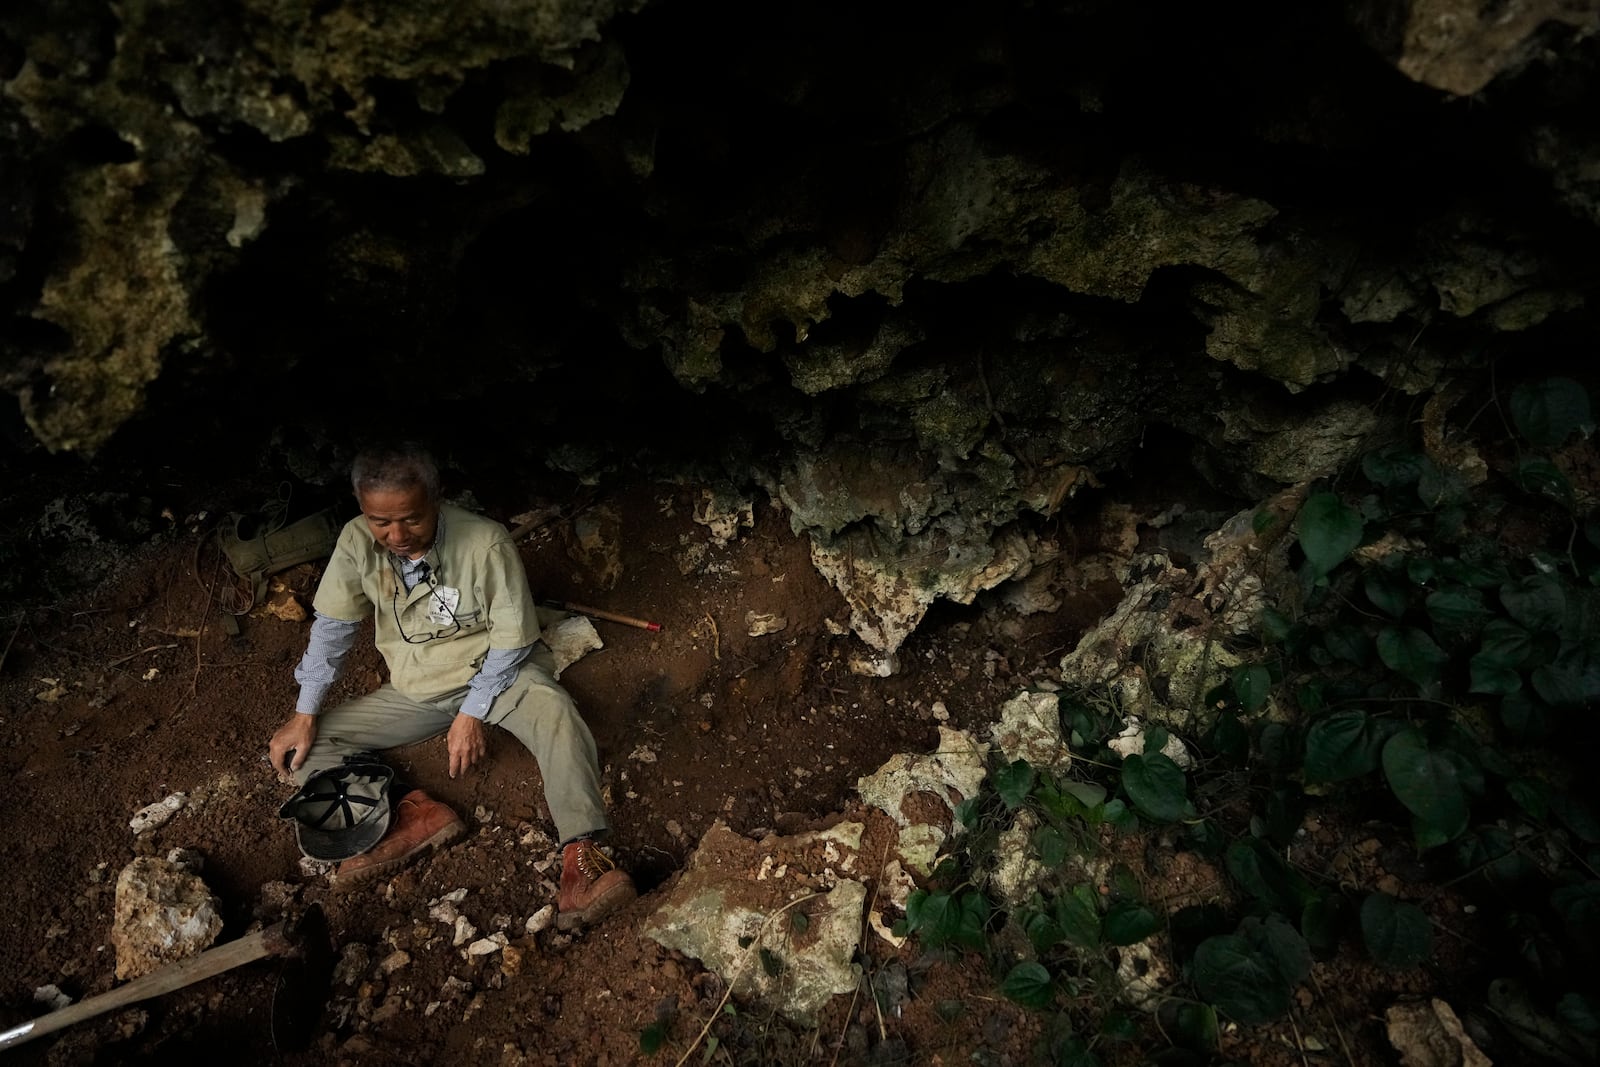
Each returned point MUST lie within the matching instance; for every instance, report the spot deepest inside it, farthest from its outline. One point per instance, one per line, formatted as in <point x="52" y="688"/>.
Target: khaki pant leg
<point x="382" y="719"/>
<point x="540" y="714"/>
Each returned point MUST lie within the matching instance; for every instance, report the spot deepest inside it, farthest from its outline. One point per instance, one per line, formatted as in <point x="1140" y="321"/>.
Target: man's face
<point x="402" y="520"/>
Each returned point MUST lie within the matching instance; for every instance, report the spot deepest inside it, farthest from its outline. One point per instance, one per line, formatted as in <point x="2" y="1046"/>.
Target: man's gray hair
<point x="395" y="468"/>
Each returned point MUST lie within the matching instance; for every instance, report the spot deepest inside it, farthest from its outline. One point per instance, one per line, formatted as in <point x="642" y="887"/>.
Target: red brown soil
<point x="111" y="702"/>
<point x="766" y="733"/>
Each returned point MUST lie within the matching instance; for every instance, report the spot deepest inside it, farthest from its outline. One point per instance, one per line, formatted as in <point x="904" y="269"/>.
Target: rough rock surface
<point x="1430" y="1035"/>
<point x="1461" y="45"/>
<point x="908" y="783"/>
<point x="1163" y="647"/>
<point x="924" y="282"/>
<point x="734" y="910"/>
<point x="163" y="913"/>
<point x="1030" y="729"/>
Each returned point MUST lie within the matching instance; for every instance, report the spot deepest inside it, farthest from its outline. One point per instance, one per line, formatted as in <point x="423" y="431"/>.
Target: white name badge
<point x="442" y="604"/>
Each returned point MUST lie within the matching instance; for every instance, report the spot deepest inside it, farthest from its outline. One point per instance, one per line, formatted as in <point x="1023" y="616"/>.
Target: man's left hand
<point x="468" y="741"/>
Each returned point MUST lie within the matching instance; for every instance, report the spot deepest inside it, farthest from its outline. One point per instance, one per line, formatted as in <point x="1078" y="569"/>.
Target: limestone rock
<point x="570" y="640"/>
<point x="1430" y="1035"/>
<point x="539" y="98"/>
<point x="51" y="997"/>
<point x="393" y="962"/>
<point x="251" y="66"/>
<point x="1191" y="663"/>
<point x="894" y="890"/>
<point x="163" y="913"/>
<point x="311" y="868"/>
<point x="1030" y="729"/>
<point x="188" y="859"/>
<point x="1572" y="158"/>
<point x="432" y="149"/>
<point x="1292" y="444"/>
<point x="914" y="789"/>
<point x="486" y="945"/>
<point x="759" y="624"/>
<point x="831" y="491"/>
<point x="123" y="303"/>
<point x="724" y="515"/>
<point x="951" y="774"/>
<point x="874" y="665"/>
<point x="817" y="368"/>
<point x="889" y="593"/>
<point x="1131" y="742"/>
<point x="1460" y="46"/>
<point x="894" y="530"/>
<point x="283" y="604"/>
<point x="354" y="959"/>
<point x="596" y="545"/>
<point x="1245" y="555"/>
<point x="719" y="902"/>
<point x="1034" y="593"/>
<point x="151" y="816"/>
<point x="1144" y="975"/>
<point x="1017" y="871"/>
<point x="1268" y="324"/>
<point x="979" y="209"/>
<point x="1176" y="618"/>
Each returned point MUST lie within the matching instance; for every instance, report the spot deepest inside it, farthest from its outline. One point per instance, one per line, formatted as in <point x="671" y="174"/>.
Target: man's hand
<point x="468" y="741"/>
<point x="291" y="745"/>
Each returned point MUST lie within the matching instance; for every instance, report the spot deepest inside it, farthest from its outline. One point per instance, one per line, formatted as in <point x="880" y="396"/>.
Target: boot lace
<point x="592" y="863"/>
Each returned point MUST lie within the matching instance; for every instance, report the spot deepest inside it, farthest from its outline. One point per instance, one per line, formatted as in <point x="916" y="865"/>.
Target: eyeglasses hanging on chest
<point x="441" y="604"/>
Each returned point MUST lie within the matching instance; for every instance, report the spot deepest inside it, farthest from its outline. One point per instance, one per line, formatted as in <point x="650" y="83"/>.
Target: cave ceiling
<point x="924" y="268"/>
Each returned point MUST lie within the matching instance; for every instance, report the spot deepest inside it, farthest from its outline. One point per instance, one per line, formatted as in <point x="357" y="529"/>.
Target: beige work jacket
<point x="434" y="638"/>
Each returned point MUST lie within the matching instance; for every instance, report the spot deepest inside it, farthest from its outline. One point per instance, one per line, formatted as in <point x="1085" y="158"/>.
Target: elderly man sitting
<point x="455" y="622"/>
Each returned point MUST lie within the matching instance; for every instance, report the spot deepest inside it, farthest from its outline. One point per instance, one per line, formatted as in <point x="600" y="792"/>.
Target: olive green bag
<point x="260" y="544"/>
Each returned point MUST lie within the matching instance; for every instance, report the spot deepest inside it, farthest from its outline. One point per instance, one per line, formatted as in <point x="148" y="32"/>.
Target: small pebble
<point x="151" y="816"/>
<point x="188" y="859"/>
<point x="51" y="997"/>
<point x="393" y="962"/>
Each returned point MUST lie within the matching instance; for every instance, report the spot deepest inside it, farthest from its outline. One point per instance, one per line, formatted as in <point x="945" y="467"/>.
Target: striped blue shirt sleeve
<point x="330" y="642"/>
<point x="493" y="678"/>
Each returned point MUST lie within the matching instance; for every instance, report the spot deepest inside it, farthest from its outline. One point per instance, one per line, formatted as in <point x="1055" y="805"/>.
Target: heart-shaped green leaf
<point x="1128" y="922"/>
<point x="1427" y="781"/>
<point x="1396" y="934"/>
<point x="1014" y="783"/>
<point x="1028" y="983"/>
<point x="1536" y="601"/>
<point x="1339" y="747"/>
<point x="1156" y="786"/>
<point x="1239" y="980"/>
<point x="1412" y="653"/>
<point x="1546" y="412"/>
<point x="1329" y="531"/>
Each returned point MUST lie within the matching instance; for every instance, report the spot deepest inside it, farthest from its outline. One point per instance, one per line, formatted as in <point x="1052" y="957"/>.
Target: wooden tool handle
<point x="609" y="616"/>
<point x="269" y="941"/>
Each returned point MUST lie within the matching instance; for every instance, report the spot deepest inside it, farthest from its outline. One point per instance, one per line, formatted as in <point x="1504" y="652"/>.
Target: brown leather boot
<point x="591" y="886"/>
<point x="420" y="823"/>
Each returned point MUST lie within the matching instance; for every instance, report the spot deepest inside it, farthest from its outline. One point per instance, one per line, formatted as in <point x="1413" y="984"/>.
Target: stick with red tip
<point x="609" y="616"/>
